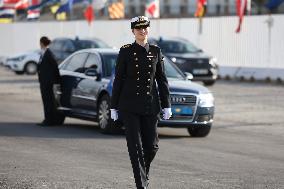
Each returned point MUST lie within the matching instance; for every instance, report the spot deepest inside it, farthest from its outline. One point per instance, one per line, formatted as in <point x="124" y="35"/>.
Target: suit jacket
<point x="140" y="84"/>
<point x="48" y="72"/>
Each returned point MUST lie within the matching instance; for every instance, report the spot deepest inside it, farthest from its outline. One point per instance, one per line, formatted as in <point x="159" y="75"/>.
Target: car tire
<point x="199" y="131"/>
<point x="19" y="72"/>
<point x="209" y="83"/>
<point x="104" y="119"/>
<point x="31" y="68"/>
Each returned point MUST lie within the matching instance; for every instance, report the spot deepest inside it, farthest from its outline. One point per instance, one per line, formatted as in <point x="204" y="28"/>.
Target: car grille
<point x="198" y="63"/>
<point x="181" y="117"/>
<point x="181" y="99"/>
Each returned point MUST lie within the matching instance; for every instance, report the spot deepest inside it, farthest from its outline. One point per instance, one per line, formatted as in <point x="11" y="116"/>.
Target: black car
<point x="86" y="88"/>
<point x="189" y="58"/>
<point x="63" y="47"/>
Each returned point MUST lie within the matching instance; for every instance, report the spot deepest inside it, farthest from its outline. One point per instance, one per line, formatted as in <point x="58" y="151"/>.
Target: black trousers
<point x="142" y="142"/>
<point x="49" y="104"/>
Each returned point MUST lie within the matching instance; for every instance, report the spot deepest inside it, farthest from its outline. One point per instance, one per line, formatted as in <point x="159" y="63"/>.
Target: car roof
<point x="179" y="39"/>
<point x="99" y="50"/>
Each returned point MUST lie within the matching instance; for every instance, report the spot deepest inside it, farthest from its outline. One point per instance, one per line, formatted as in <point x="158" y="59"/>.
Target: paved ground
<point x="245" y="149"/>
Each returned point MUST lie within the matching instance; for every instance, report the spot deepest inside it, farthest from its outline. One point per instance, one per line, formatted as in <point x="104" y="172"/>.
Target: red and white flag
<point x="89" y="14"/>
<point x="241" y="6"/>
<point x="33" y="13"/>
<point x="22" y="4"/>
<point x="200" y="8"/>
<point x="152" y="9"/>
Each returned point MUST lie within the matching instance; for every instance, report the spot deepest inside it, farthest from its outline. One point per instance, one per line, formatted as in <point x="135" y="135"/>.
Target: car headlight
<point x="178" y="60"/>
<point x="19" y="58"/>
<point x="206" y="100"/>
<point x="213" y="61"/>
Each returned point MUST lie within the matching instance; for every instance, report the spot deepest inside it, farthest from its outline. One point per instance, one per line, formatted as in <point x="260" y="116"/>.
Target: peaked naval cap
<point x="140" y="22"/>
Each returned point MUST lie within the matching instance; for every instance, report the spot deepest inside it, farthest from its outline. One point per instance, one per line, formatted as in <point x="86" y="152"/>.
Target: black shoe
<point x="44" y="124"/>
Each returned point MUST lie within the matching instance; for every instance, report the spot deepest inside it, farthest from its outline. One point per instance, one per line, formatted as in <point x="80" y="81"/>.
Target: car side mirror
<point x="92" y="72"/>
<point x="188" y="75"/>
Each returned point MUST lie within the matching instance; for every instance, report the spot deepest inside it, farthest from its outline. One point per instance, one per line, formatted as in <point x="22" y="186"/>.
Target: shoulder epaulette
<point x="126" y="46"/>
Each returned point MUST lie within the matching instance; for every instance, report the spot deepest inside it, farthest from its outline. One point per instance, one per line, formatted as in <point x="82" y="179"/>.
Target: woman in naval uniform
<point x="140" y="90"/>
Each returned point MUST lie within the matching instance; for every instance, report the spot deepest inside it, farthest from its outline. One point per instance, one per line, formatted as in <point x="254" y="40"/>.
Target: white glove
<point x="113" y="114"/>
<point x="167" y="113"/>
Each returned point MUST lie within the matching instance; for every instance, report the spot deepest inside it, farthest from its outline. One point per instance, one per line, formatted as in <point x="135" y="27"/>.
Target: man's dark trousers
<point x="142" y="142"/>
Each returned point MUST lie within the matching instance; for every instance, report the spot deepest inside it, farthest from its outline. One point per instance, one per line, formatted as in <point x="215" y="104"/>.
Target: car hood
<point x="186" y="86"/>
<point x="189" y="55"/>
<point x="25" y="53"/>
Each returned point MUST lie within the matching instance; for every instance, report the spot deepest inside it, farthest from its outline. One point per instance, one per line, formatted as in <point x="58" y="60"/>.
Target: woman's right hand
<point x="113" y="114"/>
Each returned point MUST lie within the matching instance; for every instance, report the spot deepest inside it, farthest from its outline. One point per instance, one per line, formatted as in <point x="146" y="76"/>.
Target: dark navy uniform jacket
<point x="140" y="84"/>
<point x="48" y="72"/>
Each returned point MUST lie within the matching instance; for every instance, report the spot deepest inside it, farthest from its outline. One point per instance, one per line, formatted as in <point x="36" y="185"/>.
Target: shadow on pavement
<point x="19" y="129"/>
<point x="29" y="129"/>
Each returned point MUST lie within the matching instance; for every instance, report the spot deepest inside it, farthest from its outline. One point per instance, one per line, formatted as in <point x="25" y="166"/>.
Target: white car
<point x="24" y="62"/>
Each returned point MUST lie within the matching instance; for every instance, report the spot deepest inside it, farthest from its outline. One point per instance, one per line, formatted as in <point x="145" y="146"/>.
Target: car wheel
<point x="19" y="72"/>
<point x="31" y="68"/>
<point x="104" y="119"/>
<point x="199" y="131"/>
<point x="209" y="83"/>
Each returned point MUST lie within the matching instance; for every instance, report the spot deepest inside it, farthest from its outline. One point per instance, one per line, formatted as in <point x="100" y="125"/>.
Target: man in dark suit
<point x="136" y="98"/>
<point x="48" y="75"/>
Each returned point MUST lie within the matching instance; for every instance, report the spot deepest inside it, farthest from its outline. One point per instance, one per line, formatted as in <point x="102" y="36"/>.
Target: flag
<point x="42" y="4"/>
<point x="7" y="12"/>
<point x="54" y="8"/>
<point x="5" y="20"/>
<point x="200" y="8"/>
<point x="9" y="3"/>
<point x="116" y="10"/>
<point x="273" y="4"/>
<point x="67" y="6"/>
<point x="152" y="9"/>
<point x="89" y="14"/>
<point x="61" y="16"/>
<point x="249" y="6"/>
<point x="22" y="4"/>
<point x="6" y="15"/>
<point x="33" y="14"/>
<point x="241" y="7"/>
<point x="63" y="8"/>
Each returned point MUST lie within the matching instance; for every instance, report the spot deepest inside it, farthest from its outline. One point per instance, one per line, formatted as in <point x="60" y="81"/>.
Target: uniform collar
<point x="146" y="47"/>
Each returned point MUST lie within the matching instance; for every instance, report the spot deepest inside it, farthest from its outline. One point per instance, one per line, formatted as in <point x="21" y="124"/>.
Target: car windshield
<point x="172" y="71"/>
<point x="85" y="44"/>
<point x="101" y="44"/>
<point x="109" y="61"/>
<point x="178" y="47"/>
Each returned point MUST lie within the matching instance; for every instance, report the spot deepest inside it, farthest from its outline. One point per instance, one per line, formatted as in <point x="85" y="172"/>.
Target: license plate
<point x="200" y="71"/>
<point x="181" y="110"/>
